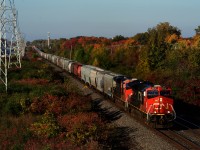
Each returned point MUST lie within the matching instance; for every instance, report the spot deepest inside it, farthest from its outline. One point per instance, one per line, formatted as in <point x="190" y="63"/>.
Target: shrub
<point x="78" y="103"/>
<point x="45" y="128"/>
<point x="14" y="107"/>
<point x="81" y="128"/>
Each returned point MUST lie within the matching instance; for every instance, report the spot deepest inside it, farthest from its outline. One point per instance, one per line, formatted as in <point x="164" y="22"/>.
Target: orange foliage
<point x="196" y="41"/>
<point x="130" y="42"/>
<point x="172" y="38"/>
<point x="184" y="43"/>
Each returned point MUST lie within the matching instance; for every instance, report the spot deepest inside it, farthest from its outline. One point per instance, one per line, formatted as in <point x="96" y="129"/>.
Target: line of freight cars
<point x="154" y="102"/>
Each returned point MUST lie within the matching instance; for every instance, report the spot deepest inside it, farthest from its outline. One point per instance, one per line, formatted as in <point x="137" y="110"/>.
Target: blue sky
<point x="107" y="18"/>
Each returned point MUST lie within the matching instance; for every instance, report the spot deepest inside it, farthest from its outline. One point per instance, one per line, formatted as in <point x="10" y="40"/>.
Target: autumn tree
<point x="196" y="41"/>
<point x="157" y="43"/>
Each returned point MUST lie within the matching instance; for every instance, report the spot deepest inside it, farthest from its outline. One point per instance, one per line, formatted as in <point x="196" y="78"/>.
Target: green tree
<point x="157" y="43"/>
<point x="118" y="38"/>
<point x="197" y="30"/>
<point x="142" y="38"/>
<point x="79" y="55"/>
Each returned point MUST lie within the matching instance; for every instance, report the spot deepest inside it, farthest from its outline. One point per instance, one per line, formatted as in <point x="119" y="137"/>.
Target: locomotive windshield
<point x="165" y="93"/>
<point x="155" y="93"/>
<point x="152" y="93"/>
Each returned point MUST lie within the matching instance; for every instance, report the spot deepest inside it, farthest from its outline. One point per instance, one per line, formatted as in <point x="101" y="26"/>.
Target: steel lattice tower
<point x="12" y="45"/>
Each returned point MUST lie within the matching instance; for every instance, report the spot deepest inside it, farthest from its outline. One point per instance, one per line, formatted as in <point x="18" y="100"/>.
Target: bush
<point x="81" y="128"/>
<point x="45" y="128"/>
<point x="13" y="107"/>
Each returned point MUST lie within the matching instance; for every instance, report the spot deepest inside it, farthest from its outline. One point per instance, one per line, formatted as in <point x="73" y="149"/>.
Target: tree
<point x="197" y="30"/>
<point x="157" y="43"/>
<point x="142" y="38"/>
<point x="118" y="38"/>
<point x="158" y="34"/>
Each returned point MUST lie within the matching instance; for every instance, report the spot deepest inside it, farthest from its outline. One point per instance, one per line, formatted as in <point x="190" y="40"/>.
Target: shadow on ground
<point x="119" y="137"/>
<point x="106" y="114"/>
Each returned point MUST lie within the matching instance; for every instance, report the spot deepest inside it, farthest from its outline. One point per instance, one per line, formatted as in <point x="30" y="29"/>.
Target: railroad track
<point x="187" y="129"/>
<point x="186" y="124"/>
<point x="184" y="134"/>
<point x="180" y="141"/>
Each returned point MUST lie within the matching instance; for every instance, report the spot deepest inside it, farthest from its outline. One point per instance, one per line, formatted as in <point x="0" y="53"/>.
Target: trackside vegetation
<point x="44" y="110"/>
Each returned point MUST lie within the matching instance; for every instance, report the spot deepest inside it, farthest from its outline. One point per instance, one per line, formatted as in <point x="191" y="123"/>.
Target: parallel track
<point x="179" y="140"/>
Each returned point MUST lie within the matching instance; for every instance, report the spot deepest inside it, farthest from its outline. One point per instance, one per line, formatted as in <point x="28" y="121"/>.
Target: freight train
<point x="153" y="102"/>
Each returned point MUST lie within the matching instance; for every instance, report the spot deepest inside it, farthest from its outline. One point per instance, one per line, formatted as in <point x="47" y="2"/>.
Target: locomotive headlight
<point x="161" y="99"/>
<point x="154" y="112"/>
<point x="168" y="112"/>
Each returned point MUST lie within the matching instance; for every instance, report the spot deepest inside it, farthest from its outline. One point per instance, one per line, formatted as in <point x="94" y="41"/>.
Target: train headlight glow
<point x="168" y="112"/>
<point x="161" y="99"/>
<point x="155" y="112"/>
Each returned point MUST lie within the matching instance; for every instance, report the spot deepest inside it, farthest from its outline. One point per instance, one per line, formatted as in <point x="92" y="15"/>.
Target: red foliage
<point x="191" y="91"/>
<point x="59" y="105"/>
<point x="70" y="43"/>
<point x="48" y="103"/>
<point x="10" y="137"/>
<point x="72" y="121"/>
<point x="33" y="81"/>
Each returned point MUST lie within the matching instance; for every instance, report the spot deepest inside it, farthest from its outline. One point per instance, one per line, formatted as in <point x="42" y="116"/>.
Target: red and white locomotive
<point x="154" y="102"/>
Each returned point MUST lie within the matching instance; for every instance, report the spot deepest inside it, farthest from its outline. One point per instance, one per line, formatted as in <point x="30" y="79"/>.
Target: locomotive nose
<point x="159" y="106"/>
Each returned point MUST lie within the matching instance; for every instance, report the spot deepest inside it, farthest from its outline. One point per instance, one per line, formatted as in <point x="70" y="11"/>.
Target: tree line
<point x="160" y="55"/>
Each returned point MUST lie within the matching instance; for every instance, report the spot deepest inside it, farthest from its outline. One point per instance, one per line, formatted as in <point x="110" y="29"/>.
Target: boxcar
<point x="76" y="69"/>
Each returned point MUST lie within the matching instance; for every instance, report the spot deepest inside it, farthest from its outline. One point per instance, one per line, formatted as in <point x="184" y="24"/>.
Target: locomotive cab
<point x="159" y="104"/>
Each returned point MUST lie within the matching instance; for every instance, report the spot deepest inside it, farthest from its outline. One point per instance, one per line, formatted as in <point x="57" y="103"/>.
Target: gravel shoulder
<point x="129" y="133"/>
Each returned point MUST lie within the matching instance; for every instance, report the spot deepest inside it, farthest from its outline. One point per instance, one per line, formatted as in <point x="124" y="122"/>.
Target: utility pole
<point x="48" y="40"/>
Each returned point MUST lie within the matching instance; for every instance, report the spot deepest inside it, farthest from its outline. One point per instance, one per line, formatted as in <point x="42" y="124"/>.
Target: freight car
<point x="154" y="102"/>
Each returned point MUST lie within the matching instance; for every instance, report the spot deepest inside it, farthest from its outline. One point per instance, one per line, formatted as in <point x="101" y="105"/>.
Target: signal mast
<point x="12" y="44"/>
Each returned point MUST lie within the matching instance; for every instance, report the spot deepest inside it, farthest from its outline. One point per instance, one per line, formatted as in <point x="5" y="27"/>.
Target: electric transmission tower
<point x="12" y="44"/>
